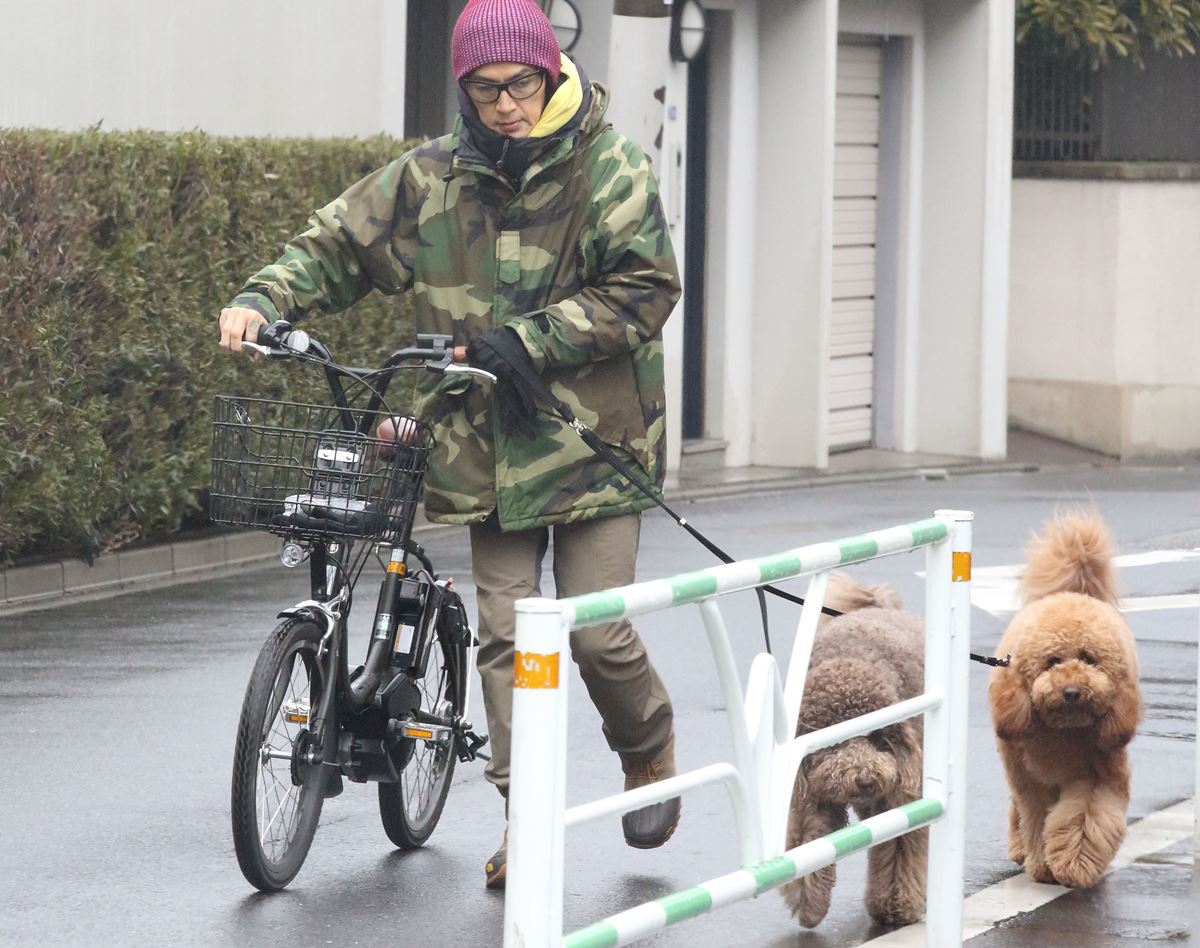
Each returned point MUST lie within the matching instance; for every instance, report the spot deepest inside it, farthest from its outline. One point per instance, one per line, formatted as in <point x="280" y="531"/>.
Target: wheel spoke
<point x="422" y="777"/>
<point x="279" y="798"/>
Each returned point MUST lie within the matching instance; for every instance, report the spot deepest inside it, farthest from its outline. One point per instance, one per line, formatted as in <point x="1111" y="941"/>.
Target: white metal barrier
<point x="767" y="755"/>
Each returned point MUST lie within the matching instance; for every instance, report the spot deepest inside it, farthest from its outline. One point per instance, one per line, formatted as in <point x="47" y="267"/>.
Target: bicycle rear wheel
<point x="411" y="808"/>
<point x="276" y="796"/>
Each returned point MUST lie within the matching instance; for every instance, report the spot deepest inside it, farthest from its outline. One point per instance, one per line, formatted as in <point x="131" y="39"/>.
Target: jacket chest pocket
<point x="508" y="256"/>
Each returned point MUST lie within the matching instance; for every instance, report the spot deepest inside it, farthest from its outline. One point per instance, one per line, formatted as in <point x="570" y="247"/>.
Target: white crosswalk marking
<point x="1017" y="894"/>
<point x="994" y="588"/>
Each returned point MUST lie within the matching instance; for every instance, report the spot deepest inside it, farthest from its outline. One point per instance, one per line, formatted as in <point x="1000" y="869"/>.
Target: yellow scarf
<point x="563" y="104"/>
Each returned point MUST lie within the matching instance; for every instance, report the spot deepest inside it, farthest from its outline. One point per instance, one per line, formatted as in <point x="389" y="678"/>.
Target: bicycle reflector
<point x="294" y="712"/>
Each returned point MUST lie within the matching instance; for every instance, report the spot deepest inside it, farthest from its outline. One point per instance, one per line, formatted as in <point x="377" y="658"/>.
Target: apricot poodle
<point x="869" y="658"/>
<point x="1066" y="707"/>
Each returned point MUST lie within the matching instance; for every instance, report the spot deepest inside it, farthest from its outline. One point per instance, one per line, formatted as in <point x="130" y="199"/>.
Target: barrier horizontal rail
<point x="767" y="750"/>
<point x="750" y="881"/>
<point x="625" y="602"/>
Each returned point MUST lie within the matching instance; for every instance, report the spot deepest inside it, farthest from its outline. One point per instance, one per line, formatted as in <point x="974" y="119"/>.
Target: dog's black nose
<point x="865" y="783"/>
<point x="1070" y="694"/>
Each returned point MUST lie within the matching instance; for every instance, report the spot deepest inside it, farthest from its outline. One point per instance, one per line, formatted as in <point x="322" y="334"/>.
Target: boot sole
<point x="658" y="840"/>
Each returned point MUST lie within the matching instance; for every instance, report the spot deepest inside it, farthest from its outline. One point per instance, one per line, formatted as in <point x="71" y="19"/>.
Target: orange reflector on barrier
<point x="418" y="732"/>
<point x="961" y="567"/>
<point x="532" y="670"/>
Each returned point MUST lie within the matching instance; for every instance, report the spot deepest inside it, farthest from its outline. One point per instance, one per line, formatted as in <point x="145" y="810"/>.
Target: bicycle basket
<point x="305" y="471"/>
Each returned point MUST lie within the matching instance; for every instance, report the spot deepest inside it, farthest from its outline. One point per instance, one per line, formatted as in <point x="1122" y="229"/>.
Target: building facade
<point x="836" y="176"/>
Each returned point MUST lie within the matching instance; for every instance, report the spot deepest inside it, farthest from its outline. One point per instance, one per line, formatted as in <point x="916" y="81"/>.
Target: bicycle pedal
<point x="469" y="746"/>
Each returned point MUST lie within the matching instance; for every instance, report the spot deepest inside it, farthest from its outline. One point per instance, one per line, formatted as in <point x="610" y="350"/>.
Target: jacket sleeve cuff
<point x="259" y="302"/>
<point x="531" y="338"/>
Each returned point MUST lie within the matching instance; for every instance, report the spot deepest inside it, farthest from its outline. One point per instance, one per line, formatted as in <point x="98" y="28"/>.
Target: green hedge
<point x="117" y="252"/>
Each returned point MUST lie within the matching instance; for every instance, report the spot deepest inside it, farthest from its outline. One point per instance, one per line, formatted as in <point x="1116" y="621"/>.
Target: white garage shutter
<point x="855" y="189"/>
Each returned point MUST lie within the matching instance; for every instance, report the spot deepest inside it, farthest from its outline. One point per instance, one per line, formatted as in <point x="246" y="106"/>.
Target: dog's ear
<point x="1119" y="725"/>
<point x="908" y="761"/>
<point x="802" y="814"/>
<point x="1012" y="711"/>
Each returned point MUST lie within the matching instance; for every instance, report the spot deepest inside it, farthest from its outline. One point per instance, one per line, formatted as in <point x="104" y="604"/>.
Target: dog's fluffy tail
<point x="1074" y="553"/>
<point x="845" y="595"/>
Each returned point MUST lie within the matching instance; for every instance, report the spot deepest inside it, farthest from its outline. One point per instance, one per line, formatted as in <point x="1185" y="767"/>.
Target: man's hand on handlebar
<point x="239" y="325"/>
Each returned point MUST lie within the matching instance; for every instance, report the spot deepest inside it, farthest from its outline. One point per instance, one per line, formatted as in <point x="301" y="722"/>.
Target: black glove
<point x="501" y="352"/>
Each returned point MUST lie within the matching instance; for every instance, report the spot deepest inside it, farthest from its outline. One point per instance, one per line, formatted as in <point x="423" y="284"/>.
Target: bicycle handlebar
<point x="279" y="339"/>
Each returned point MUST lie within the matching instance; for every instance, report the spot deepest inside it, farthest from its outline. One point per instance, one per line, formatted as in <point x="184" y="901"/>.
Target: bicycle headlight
<point x="292" y="554"/>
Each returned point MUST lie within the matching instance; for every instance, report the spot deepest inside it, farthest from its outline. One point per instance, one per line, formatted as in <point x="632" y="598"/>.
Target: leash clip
<point x="992" y="661"/>
<point x="578" y="425"/>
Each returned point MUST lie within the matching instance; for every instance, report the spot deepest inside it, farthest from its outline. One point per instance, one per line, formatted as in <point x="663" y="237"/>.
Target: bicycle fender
<point x="313" y="610"/>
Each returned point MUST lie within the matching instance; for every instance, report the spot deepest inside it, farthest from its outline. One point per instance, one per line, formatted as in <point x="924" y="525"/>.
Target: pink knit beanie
<point x="504" y="31"/>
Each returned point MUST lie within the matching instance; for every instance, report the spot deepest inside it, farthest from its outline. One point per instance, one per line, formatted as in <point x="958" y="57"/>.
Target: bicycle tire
<point x="410" y="809"/>
<point x="262" y="784"/>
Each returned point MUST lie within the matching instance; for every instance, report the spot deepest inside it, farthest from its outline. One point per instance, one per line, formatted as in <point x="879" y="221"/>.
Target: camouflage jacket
<point x="576" y="258"/>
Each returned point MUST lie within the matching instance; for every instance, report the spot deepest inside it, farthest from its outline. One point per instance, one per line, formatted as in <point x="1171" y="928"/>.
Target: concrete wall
<point x="964" y="247"/>
<point x="640" y="45"/>
<point x="228" y="67"/>
<point x="793" y="246"/>
<point x="1104" y="338"/>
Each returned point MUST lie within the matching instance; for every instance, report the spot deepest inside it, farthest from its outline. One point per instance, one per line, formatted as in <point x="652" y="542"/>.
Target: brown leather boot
<point x="651" y="826"/>
<point x="497" y="866"/>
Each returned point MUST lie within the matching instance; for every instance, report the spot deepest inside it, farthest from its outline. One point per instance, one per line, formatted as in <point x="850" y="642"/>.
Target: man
<point x="533" y="234"/>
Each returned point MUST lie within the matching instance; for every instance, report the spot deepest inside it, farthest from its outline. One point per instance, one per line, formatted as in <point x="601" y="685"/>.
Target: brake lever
<point x="268" y="352"/>
<point x="457" y="369"/>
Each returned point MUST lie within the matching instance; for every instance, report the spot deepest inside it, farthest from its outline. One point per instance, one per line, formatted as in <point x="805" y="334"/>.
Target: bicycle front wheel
<point x="411" y="808"/>
<point x="276" y="795"/>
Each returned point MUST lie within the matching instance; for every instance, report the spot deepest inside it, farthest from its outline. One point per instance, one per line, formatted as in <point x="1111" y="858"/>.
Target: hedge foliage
<point x="117" y="252"/>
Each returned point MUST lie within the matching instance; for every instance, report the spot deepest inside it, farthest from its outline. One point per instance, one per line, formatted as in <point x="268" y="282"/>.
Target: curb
<point x="45" y="585"/>
<point x="800" y="482"/>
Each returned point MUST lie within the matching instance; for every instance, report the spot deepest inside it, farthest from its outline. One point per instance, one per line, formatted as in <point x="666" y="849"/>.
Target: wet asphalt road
<point x="119" y="721"/>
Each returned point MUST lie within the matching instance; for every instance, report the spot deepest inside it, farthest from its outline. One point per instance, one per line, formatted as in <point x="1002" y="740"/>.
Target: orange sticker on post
<point x="533" y="670"/>
<point x="960" y="568"/>
<point x="396" y="566"/>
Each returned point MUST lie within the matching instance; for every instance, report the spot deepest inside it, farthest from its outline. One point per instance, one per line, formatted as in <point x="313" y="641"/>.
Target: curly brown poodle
<point x="1066" y="707"/>
<point x="869" y="658"/>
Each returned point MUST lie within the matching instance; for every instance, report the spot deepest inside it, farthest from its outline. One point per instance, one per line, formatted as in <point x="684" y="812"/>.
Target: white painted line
<point x="984" y="910"/>
<point x="1151" y="603"/>
<point x="1002" y="600"/>
<point x="994" y="588"/>
<point x="1155" y="557"/>
<point x="1127" y="560"/>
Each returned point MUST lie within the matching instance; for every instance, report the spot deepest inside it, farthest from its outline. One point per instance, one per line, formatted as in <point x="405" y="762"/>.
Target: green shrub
<point x="117" y="252"/>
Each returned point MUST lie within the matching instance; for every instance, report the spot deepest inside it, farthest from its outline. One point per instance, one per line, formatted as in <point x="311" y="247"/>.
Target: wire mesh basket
<point x="311" y="471"/>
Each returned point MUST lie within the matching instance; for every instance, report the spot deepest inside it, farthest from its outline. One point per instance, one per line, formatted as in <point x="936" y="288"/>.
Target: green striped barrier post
<point x="947" y="659"/>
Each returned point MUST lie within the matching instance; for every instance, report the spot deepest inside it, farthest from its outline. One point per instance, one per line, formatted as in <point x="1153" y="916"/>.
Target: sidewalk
<point x="71" y="580"/>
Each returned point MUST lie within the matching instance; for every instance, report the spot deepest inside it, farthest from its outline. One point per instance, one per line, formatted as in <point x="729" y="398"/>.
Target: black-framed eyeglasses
<point x="522" y="87"/>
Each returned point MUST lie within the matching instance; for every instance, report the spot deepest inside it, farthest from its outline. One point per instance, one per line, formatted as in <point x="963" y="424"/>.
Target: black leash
<point x="524" y="376"/>
<point x="532" y="389"/>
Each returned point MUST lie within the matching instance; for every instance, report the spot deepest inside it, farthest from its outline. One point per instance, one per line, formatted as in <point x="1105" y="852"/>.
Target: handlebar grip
<point x="281" y="337"/>
<point x="272" y="335"/>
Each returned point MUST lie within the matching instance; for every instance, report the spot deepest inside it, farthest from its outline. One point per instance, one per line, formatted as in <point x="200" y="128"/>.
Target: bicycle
<point x="322" y="478"/>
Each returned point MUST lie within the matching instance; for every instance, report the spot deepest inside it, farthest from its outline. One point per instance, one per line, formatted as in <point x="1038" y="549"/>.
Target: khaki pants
<point x="588" y="556"/>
